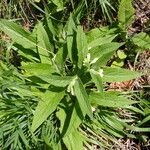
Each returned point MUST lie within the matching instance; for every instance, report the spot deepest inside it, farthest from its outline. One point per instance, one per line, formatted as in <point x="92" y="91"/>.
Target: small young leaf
<point x="121" y="54"/>
<point x="59" y="4"/>
<point x="37" y="1"/>
<point x="47" y="104"/>
<point x="117" y="64"/>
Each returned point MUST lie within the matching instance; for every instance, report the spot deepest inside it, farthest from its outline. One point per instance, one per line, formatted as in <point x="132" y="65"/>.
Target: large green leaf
<point x="104" y="52"/>
<point x="38" y="69"/>
<point x="70" y="119"/>
<point x="100" y="32"/>
<point x="43" y="44"/>
<point x="26" y="39"/>
<point x="101" y="40"/>
<point x="45" y="72"/>
<point x="142" y="40"/>
<point x="60" y="81"/>
<point x="18" y="34"/>
<point x="70" y="38"/>
<point x="74" y="141"/>
<point x="119" y="74"/>
<point x="82" y="98"/>
<point x="126" y="13"/>
<point x="81" y="45"/>
<point x="47" y="104"/>
<point x="109" y="99"/>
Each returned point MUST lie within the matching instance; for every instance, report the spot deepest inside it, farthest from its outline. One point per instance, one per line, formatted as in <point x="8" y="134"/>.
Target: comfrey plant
<point x="61" y="89"/>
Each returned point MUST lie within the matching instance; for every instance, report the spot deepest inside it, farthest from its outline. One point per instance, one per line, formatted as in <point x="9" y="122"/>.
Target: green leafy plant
<point x="71" y="89"/>
<point x="57" y="99"/>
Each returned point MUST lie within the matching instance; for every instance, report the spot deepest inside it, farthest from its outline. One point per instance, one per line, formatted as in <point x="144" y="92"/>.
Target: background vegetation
<point x="74" y="74"/>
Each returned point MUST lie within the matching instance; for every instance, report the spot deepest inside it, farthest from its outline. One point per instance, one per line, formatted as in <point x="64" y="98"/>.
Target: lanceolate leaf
<point x="104" y="52"/>
<point x="81" y="45"/>
<point x="60" y="58"/>
<point x="70" y="38"/>
<point x="75" y="121"/>
<point x="142" y="40"/>
<point x="74" y="141"/>
<point x="43" y="44"/>
<point x="82" y="98"/>
<point x="18" y="34"/>
<point x="38" y="69"/>
<point x="109" y="99"/>
<point x="70" y="119"/>
<point x="100" y="32"/>
<point x="101" y="40"/>
<point x="126" y="13"/>
<point x="60" y="81"/>
<point x="47" y="104"/>
<point x="45" y="72"/>
<point x="137" y="129"/>
<point x="50" y="25"/>
<point x="119" y="74"/>
<point x="97" y="80"/>
<point x="23" y="37"/>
